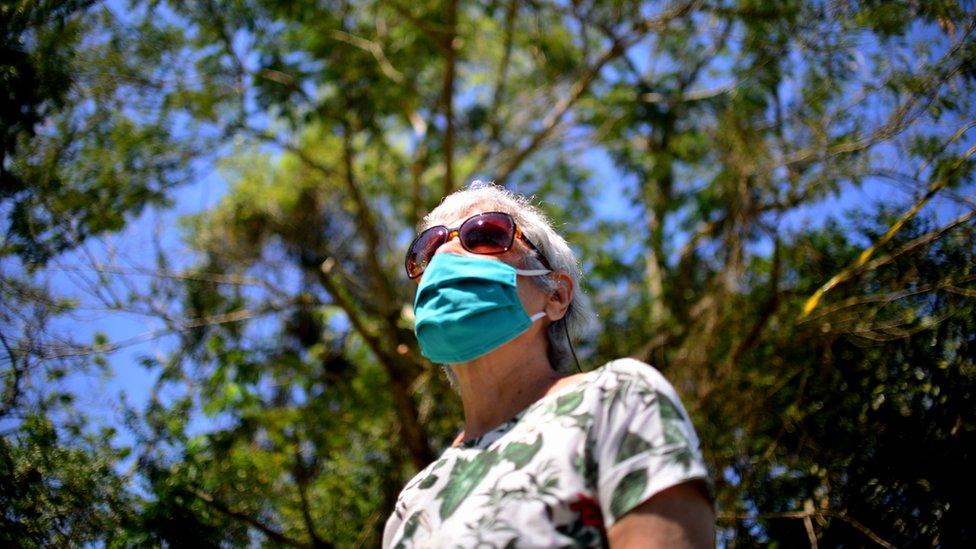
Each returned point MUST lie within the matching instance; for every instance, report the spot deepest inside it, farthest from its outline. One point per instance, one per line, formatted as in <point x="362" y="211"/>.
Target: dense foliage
<point x="709" y="160"/>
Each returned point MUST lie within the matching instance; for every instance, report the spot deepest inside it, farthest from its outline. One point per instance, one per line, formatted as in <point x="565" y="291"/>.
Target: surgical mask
<point x="468" y="306"/>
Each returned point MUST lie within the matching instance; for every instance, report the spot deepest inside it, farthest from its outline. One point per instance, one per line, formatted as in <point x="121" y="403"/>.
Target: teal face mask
<point x="467" y="306"/>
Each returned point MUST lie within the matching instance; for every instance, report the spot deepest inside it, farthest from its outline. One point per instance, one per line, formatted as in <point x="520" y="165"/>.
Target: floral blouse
<point x="558" y="474"/>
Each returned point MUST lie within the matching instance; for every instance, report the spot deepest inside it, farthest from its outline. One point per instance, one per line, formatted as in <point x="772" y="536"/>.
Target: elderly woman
<point x="545" y="459"/>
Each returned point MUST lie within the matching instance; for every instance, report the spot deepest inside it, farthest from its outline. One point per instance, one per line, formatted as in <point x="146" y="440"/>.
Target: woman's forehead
<point x="467" y="213"/>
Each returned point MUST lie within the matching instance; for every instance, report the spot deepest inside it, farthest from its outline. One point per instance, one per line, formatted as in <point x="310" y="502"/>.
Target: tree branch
<point x="216" y="278"/>
<point x="767" y="313"/>
<point x="225" y="318"/>
<point x="401" y="372"/>
<point x="447" y="95"/>
<point x="301" y="481"/>
<point x="501" y="77"/>
<point x="918" y="242"/>
<point x="436" y="35"/>
<point x="366" y="224"/>
<point x="948" y="284"/>
<point x="13" y="389"/>
<point x="862" y="259"/>
<point x="268" y="531"/>
<point x="617" y="48"/>
<point x="363" y="218"/>
<point x="901" y="117"/>
<point x="819" y="514"/>
<point x="374" y="49"/>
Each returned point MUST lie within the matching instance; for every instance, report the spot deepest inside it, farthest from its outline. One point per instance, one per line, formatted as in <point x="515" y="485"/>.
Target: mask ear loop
<point x="570" y="341"/>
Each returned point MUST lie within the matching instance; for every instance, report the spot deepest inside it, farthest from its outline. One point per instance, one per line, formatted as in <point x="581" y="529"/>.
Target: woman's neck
<point x="496" y="388"/>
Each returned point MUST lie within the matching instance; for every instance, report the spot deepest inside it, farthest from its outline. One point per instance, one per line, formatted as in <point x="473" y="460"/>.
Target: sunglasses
<point x="488" y="233"/>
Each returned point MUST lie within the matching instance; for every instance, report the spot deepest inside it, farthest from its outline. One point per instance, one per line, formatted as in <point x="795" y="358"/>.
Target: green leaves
<point x="55" y="490"/>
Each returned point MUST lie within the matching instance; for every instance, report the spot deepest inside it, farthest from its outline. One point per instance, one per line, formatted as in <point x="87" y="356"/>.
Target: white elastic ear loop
<point x="532" y="272"/>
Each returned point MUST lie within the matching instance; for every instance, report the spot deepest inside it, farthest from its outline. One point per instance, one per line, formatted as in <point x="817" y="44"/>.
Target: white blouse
<point x="560" y="473"/>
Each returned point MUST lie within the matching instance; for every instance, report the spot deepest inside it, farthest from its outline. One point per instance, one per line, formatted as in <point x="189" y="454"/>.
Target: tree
<point x="87" y="143"/>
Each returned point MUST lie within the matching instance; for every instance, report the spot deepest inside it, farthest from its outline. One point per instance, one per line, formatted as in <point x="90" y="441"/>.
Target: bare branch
<point x="822" y="513"/>
<point x="767" y="313"/>
<point x="374" y="49"/>
<point x="617" y="48"/>
<point x="248" y="519"/>
<point x="216" y="278"/>
<point x="861" y="528"/>
<point x="214" y="320"/>
<point x="862" y="259"/>
<point x="435" y="32"/>
<point x="902" y="116"/>
<point x="401" y="372"/>
<point x="808" y="525"/>
<point x="948" y="284"/>
<point x="447" y="95"/>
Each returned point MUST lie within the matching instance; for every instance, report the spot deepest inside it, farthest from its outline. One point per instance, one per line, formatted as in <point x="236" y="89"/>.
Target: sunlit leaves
<point x="692" y="174"/>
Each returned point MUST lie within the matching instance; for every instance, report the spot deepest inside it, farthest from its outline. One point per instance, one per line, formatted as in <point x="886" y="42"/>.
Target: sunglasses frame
<point x="456" y="232"/>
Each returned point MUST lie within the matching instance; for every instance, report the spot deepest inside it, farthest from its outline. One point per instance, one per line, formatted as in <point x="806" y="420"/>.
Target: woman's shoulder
<point x="629" y="369"/>
<point x="621" y="375"/>
<point x="633" y="376"/>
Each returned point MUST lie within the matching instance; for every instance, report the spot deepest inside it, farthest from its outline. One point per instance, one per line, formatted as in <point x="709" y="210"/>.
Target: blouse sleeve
<point x="645" y="442"/>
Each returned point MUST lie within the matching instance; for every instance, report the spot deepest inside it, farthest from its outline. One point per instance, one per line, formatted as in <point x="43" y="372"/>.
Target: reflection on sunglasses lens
<point x="490" y="234"/>
<point x="423" y="249"/>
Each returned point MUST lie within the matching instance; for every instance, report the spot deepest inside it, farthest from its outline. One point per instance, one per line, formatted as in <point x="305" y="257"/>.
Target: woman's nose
<point x="453" y="245"/>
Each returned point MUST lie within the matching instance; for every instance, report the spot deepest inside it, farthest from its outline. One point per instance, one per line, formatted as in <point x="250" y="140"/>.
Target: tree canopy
<point x="772" y="202"/>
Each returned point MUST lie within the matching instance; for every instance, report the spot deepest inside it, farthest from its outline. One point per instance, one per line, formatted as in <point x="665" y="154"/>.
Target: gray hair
<point x="485" y="197"/>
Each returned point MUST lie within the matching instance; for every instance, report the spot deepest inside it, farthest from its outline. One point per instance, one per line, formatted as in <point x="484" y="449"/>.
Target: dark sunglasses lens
<point x="423" y="248"/>
<point x="490" y="233"/>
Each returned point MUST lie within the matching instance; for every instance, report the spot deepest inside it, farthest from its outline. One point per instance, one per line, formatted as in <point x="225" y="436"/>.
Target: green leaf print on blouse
<point x="672" y="419"/>
<point x="520" y="453"/>
<point x="409" y="528"/>
<point x="628" y="492"/>
<point x="668" y="408"/>
<point x="568" y="402"/>
<point x="631" y="445"/>
<point x="586" y="465"/>
<point x="465" y="475"/>
<point x="428" y="481"/>
<point x="674" y="433"/>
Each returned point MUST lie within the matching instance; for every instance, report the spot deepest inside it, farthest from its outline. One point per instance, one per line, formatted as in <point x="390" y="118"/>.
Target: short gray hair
<point x="486" y="197"/>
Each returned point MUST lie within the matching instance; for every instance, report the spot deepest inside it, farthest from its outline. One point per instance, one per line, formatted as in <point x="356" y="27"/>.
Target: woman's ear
<point x="559" y="299"/>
